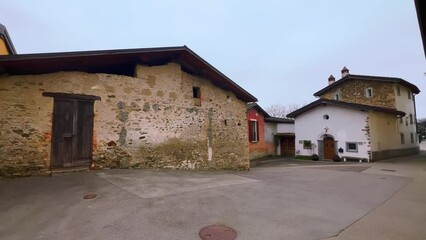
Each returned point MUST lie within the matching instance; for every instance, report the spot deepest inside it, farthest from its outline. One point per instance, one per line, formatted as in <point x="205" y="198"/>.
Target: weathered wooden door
<point x="72" y="132"/>
<point x="329" y="150"/>
<point x="287" y="146"/>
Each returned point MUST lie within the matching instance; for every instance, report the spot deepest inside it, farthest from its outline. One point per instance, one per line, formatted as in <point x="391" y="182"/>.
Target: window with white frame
<point x="412" y="137"/>
<point x="337" y="96"/>
<point x="253" y="131"/>
<point x="402" y="138"/>
<point x="351" y="147"/>
<point x="411" y="119"/>
<point x="307" y="144"/>
<point x="369" y="92"/>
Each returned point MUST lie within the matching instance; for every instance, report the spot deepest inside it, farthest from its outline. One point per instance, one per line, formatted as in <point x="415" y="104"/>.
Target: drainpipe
<point x="415" y="115"/>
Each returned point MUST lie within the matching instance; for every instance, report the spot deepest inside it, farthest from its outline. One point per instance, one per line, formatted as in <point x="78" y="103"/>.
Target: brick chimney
<point x="331" y="80"/>
<point x="345" y="72"/>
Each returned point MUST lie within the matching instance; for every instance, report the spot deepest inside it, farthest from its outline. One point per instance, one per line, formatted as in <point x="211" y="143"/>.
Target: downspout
<point x="415" y="116"/>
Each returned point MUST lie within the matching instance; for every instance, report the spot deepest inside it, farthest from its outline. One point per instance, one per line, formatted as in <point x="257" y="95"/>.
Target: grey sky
<point x="280" y="51"/>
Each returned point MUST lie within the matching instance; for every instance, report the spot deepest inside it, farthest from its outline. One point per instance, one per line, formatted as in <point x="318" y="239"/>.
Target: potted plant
<point x="315" y="157"/>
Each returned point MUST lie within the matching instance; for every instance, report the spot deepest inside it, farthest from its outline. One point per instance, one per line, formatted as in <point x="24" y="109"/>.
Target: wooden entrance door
<point x="329" y="150"/>
<point x="287" y="146"/>
<point x="72" y="132"/>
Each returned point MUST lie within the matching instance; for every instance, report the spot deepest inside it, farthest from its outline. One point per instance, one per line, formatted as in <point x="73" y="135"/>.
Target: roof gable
<point x="4" y="35"/>
<point x="354" y="106"/>
<point x="120" y="62"/>
<point x="352" y="77"/>
<point x="253" y="105"/>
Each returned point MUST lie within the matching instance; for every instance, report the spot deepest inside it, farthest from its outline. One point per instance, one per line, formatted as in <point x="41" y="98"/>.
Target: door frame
<point x="75" y="99"/>
<point x="329" y="137"/>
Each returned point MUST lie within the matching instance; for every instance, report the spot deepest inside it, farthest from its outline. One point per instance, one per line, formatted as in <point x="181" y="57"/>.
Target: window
<point x="398" y="91"/>
<point x="409" y="94"/>
<point x="326" y="117"/>
<point x="369" y="92"/>
<point x="196" y="92"/>
<point x="307" y="144"/>
<point x="253" y="131"/>
<point x="412" y="137"/>
<point x="402" y="138"/>
<point x="351" y="147"/>
<point x="401" y="120"/>
<point x="337" y="96"/>
<point x="196" y="95"/>
<point x="411" y="118"/>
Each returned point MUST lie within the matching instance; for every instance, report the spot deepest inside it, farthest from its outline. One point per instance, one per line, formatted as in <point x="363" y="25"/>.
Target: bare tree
<point x="279" y="110"/>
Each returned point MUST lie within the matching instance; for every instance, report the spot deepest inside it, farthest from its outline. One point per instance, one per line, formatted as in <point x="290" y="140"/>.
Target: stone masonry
<point x="353" y="91"/>
<point x="147" y="121"/>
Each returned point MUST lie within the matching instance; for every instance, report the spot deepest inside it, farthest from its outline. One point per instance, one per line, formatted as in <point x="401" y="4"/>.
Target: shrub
<point x="315" y="157"/>
<point x="336" y="158"/>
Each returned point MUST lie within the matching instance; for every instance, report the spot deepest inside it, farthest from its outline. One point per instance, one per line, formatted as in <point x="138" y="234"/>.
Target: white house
<point x="359" y="117"/>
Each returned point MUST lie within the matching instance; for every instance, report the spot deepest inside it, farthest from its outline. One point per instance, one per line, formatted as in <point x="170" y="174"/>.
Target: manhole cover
<point x="218" y="232"/>
<point x="90" y="196"/>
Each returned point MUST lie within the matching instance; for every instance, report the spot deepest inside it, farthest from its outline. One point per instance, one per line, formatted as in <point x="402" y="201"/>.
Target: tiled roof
<point x="349" y="77"/>
<point x="122" y="61"/>
<point x="356" y="106"/>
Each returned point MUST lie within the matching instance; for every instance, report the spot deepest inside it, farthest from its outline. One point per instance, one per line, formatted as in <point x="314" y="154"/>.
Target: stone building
<point x="134" y="108"/>
<point x="6" y="45"/>
<point x="359" y="117"/>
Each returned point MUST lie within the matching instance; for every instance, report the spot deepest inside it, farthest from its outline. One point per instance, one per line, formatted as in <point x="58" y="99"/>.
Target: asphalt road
<point x="285" y="201"/>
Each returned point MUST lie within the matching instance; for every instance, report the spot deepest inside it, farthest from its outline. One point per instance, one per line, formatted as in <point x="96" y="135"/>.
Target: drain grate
<point x="218" y="232"/>
<point x="387" y="170"/>
<point x="90" y="196"/>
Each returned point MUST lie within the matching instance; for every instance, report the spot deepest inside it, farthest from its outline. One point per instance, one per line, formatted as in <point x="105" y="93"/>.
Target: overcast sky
<point x="280" y="51"/>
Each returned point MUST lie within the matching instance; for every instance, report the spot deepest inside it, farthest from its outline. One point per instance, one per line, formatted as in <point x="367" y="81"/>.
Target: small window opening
<point x="402" y="138"/>
<point x="337" y="97"/>
<point x="196" y="92"/>
<point x="369" y="92"/>
<point x="326" y="117"/>
<point x="225" y="122"/>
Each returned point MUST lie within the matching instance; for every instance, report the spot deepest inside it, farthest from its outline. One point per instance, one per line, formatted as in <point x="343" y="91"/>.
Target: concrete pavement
<point x="297" y="201"/>
<point x="403" y="216"/>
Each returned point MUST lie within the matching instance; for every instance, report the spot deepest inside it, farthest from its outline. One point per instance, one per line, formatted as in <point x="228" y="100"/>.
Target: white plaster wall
<point x="285" y="128"/>
<point x="403" y="103"/>
<point x="345" y="125"/>
<point x="270" y="129"/>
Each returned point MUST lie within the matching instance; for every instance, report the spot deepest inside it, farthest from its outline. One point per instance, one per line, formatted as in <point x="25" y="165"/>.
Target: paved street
<point x="289" y="200"/>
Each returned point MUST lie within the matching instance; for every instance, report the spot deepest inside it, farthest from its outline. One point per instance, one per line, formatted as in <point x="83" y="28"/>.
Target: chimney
<point x="345" y="72"/>
<point x="331" y="80"/>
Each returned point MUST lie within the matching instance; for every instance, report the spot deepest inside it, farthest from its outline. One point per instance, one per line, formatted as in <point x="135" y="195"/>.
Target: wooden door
<point x="287" y="146"/>
<point x="329" y="150"/>
<point x="72" y="132"/>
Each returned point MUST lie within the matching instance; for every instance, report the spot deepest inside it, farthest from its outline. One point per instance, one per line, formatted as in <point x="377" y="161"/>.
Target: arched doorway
<point x="329" y="150"/>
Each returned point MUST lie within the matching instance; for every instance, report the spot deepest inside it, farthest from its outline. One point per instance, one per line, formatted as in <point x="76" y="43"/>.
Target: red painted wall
<point x="260" y="148"/>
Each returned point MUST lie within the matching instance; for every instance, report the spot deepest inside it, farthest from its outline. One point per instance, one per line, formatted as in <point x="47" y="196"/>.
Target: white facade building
<point x="358" y="117"/>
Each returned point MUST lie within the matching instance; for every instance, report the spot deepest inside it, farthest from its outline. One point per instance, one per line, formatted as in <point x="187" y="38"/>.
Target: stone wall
<point x="353" y="91"/>
<point x="147" y="121"/>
